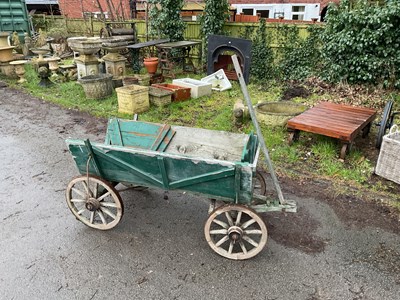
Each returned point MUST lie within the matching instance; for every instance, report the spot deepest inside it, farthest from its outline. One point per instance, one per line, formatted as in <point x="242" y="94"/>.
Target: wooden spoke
<point x="91" y="217"/>
<point x="239" y="216"/>
<point x="235" y="240"/>
<point x="219" y="231"/>
<point x="248" y="223"/>
<point x="250" y="241"/>
<point x="253" y="231"/>
<point x="102" y="213"/>
<point x="220" y="223"/>
<point x="103" y="219"/>
<point x="243" y="247"/>
<point x="104" y="196"/>
<point x="229" y="218"/>
<point x="108" y="212"/>
<point x="78" y="192"/>
<point x="78" y="200"/>
<point x="221" y="241"/>
<point x="230" y="249"/>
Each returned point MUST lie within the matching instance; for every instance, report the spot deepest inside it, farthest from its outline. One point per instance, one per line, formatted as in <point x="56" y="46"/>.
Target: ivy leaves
<point x="165" y="19"/>
<point x="361" y="43"/>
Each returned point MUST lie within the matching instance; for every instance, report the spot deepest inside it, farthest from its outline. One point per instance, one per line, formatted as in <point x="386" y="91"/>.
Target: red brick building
<point x="289" y="9"/>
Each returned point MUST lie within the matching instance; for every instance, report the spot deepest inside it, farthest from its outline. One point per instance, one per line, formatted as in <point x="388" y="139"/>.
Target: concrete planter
<point x="97" y="86"/>
<point x="197" y="88"/>
<point x="179" y="93"/>
<point x="278" y="113"/>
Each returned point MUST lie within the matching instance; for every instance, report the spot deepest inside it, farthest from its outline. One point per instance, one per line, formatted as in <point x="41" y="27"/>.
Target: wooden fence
<point x="92" y="26"/>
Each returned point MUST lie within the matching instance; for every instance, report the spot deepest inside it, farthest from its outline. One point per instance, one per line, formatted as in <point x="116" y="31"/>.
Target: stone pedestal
<point x="115" y="64"/>
<point x="87" y="62"/>
<point x="87" y="65"/>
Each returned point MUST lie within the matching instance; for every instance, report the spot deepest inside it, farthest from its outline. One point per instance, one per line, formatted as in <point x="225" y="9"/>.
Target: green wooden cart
<point x="217" y="164"/>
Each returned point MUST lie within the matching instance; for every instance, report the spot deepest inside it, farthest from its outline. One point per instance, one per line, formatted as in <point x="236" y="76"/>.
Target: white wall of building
<point x="289" y="11"/>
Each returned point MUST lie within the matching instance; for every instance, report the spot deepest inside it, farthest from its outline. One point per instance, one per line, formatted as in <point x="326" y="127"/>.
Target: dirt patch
<point x="352" y="210"/>
<point x="294" y="92"/>
<point x="295" y="230"/>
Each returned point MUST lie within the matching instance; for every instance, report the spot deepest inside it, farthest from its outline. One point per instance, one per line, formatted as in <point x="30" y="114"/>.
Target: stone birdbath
<point x="40" y="52"/>
<point x="87" y="62"/>
<point x="19" y="66"/>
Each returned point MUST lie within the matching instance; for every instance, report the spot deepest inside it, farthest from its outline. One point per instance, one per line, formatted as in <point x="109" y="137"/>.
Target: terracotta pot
<point x="151" y="64"/>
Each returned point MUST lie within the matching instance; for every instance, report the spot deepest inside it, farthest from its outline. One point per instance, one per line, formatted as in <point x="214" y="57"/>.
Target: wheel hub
<point x="92" y="204"/>
<point x="235" y="233"/>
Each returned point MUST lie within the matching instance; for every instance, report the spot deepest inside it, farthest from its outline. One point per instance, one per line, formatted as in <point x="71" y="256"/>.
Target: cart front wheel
<point x="94" y="202"/>
<point x="235" y="232"/>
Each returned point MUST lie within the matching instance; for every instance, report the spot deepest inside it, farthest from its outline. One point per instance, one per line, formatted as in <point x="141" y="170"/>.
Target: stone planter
<point x="159" y="97"/>
<point x="179" y="93"/>
<point x="197" y="88"/>
<point x="6" y="54"/>
<point x="277" y="113"/>
<point x="97" y="86"/>
<point x="19" y="66"/>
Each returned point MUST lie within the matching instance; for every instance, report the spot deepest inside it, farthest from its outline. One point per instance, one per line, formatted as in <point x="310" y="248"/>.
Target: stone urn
<point x="4" y="39"/>
<point x="151" y="64"/>
<point x="5" y="49"/>
<point x="97" y="86"/>
<point x="19" y="68"/>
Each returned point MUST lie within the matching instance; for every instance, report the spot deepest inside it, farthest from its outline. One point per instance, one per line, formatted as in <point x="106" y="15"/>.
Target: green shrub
<point x="262" y="57"/>
<point x="361" y="43"/>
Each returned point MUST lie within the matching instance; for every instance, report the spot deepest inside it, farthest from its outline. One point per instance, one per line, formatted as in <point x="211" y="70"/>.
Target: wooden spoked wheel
<point x="94" y="202"/>
<point x="235" y="232"/>
<point x="260" y="186"/>
<point x="385" y="124"/>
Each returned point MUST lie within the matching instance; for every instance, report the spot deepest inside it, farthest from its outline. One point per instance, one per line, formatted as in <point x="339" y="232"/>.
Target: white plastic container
<point x="197" y="88"/>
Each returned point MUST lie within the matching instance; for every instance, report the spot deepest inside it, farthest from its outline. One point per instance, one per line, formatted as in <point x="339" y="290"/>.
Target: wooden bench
<point x="338" y="121"/>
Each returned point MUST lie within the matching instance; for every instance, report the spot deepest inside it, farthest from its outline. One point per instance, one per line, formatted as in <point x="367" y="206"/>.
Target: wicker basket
<point x="133" y="99"/>
<point x="388" y="165"/>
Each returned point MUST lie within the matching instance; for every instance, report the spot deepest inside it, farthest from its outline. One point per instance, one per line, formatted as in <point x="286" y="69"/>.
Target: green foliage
<point x="262" y="57"/>
<point x="298" y="58"/>
<point x="166" y="20"/>
<point x="361" y="43"/>
<point x="212" y="21"/>
<point x="214" y="17"/>
<point x="246" y="32"/>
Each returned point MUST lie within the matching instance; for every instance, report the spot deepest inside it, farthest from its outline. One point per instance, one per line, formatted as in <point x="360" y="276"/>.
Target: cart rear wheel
<point x="385" y="124"/>
<point x="260" y="186"/>
<point x="235" y="232"/>
<point x="95" y="203"/>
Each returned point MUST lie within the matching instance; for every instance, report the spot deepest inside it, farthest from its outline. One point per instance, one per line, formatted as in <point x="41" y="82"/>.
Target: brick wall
<point x="74" y="8"/>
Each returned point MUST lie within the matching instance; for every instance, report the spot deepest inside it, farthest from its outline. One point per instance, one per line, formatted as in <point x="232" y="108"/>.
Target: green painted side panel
<point x="137" y="134"/>
<point x="157" y="169"/>
<point x="14" y="16"/>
